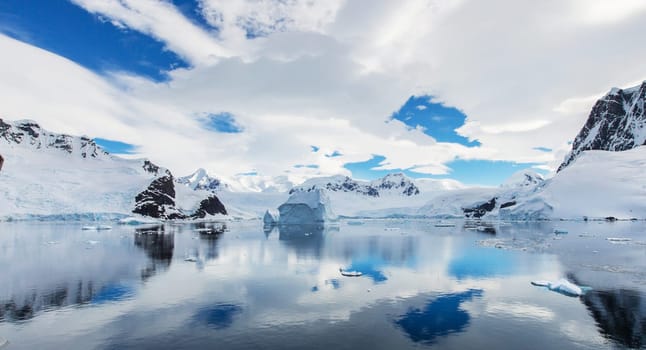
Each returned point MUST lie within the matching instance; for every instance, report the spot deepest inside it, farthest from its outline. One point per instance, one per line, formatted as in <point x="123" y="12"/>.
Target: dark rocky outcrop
<point x="210" y="206"/>
<point x="158" y="200"/>
<point x="480" y="210"/>
<point x="617" y="122"/>
<point x="1" y="162"/>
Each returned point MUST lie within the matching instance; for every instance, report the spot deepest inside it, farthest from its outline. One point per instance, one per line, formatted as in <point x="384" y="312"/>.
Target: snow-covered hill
<point x="617" y="122"/>
<point x="599" y="184"/>
<point x="61" y="176"/>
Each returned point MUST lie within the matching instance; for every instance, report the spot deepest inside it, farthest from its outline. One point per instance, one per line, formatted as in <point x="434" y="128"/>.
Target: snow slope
<point x="60" y="176"/>
<point x="598" y="185"/>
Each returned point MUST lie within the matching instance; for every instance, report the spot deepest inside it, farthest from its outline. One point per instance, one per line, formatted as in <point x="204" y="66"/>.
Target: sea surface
<point x="423" y="284"/>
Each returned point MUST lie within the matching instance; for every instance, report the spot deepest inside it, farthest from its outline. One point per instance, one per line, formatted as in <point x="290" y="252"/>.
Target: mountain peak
<point x="201" y="180"/>
<point x="617" y="122"/>
<point x="29" y="134"/>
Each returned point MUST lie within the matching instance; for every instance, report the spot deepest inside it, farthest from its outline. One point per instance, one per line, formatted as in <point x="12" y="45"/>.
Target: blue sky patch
<point x="315" y="149"/>
<point x="115" y="147"/>
<point x="223" y="122"/>
<point x="334" y="154"/>
<point x="69" y="31"/>
<point x="191" y="10"/>
<point x="437" y="120"/>
<point x="470" y="172"/>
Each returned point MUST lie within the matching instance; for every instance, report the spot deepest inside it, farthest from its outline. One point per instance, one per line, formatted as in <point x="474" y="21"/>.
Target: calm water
<point x="243" y="288"/>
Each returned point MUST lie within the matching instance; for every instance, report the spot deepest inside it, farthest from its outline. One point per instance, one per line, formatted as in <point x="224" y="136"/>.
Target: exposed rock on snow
<point x="306" y="208"/>
<point x="392" y="184"/>
<point x="210" y="206"/>
<point x="617" y="123"/>
<point x="158" y="200"/>
<point x="1" y="162"/>
<point x="200" y="180"/>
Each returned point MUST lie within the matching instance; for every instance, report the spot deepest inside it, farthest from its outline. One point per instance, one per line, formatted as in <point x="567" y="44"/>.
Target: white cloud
<point x="330" y="73"/>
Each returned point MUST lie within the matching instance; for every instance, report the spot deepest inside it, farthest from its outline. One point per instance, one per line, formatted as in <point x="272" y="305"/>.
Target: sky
<point x="470" y="90"/>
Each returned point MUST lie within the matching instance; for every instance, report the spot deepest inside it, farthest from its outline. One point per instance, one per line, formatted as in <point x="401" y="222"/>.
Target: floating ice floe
<point x="562" y="286"/>
<point x="190" y="259"/>
<point x="96" y="228"/>
<point x="348" y="273"/>
<point x="560" y="232"/>
<point x="90" y="242"/>
<point x="618" y="240"/>
<point x="355" y="223"/>
<point x="444" y="224"/>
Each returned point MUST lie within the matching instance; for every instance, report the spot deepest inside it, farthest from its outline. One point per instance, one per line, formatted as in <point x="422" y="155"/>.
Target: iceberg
<point x="562" y="286"/>
<point x="269" y="219"/>
<point x="306" y="208"/>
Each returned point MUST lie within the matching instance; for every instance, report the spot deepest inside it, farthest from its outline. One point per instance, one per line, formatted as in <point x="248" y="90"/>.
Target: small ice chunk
<point x="618" y="240"/>
<point x="89" y="228"/>
<point x="190" y="259"/>
<point x="104" y="227"/>
<point x="444" y="224"/>
<point x="562" y="286"/>
<point x="3" y="342"/>
<point x="560" y="232"/>
<point x="348" y="273"/>
<point x="355" y="223"/>
<point x="91" y="242"/>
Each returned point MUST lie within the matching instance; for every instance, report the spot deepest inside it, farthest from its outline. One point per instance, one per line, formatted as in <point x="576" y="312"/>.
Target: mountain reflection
<point x="158" y="245"/>
<point x="440" y="317"/>
<point x="620" y="315"/>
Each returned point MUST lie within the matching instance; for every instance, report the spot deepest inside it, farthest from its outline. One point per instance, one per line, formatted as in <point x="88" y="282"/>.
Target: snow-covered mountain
<point x="59" y="176"/>
<point x="201" y="180"/>
<point x="391" y="184"/>
<point x="617" y="122"/>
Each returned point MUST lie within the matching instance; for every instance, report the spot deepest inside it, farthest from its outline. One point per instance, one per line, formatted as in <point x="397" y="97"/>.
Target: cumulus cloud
<point x="330" y="73"/>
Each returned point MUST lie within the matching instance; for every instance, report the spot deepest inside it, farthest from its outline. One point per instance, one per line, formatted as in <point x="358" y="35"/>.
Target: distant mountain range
<point x="46" y="175"/>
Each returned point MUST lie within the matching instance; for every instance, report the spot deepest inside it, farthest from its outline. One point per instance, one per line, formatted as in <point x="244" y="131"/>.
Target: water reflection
<point x="158" y="245"/>
<point x="305" y="240"/>
<point x="620" y="315"/>
<point x="218" y="316"/>
<point x="440" y="317"/>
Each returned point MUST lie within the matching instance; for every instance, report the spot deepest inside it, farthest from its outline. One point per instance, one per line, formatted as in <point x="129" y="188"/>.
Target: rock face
<point x="392" y="183"/>
<point x="617" y="122"/>
<point x="1" y="162"/>
<point x="158" y="200"/>
<point x="306" y="208"/>
<point x="210" y="206"/>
